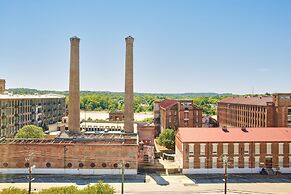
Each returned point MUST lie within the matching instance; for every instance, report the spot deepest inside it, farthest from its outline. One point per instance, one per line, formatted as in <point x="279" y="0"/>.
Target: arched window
<point x="104" y="165"/>
<point x="69" y="165"/>
<point x="92" y="165"/>
<point x="127" y="165"/>
<point x="48" y="165"/>
<point x="81" y="165"/>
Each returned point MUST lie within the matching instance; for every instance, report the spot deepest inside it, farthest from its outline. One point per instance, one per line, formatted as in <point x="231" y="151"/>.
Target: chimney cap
<point x="129" y="39"/>
<point x="74" y="38"/>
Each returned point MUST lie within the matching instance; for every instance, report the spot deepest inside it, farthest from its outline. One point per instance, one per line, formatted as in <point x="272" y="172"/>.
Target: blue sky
<point x="180" y="46"/>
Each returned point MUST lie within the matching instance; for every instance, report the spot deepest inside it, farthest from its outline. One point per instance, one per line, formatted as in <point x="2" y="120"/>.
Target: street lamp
<point x="122" y="176"/>
<point x="225" y="164"/>
<point x="30" y="179"/>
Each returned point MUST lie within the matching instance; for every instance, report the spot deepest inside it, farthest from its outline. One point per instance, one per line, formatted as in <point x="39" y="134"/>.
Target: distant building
<point x="146" y="138"/>
<point x="246" y="150"/>
<point x="116" y="116"/>
<point x="208" y="121"/>
<point x="146" y="133"/>
<point x="104" y="127"/>
<point x="270" y="111"/>
<point x="2" y="86"/>
<point x="177" y="113"/>
<point x="20" y="110"/>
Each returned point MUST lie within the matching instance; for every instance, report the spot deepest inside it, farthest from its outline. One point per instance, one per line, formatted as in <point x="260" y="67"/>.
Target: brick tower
<point x="74" y="87"/>
<point x="128" y="98"/>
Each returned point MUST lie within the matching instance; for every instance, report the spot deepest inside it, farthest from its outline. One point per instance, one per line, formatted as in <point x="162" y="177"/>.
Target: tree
<point x="167" y="138"/>
<point x="30" y="131"/>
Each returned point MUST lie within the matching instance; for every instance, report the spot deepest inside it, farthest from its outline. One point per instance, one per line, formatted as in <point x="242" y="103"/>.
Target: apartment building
<point x="20" y="110"/>
<point x="261" y="111"/>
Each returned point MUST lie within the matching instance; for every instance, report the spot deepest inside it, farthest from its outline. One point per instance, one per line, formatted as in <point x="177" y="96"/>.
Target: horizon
<point x="190" y="47"/>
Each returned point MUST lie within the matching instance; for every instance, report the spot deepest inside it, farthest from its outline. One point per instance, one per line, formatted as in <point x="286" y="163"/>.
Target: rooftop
<point x="167" y="103"/>
<point x="36" y="96"/>
<point x="247" y="100"/>
<point x="234" y="135"/>
<point x="101" y="138"/>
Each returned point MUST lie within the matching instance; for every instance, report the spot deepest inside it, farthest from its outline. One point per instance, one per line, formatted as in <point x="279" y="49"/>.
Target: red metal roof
<point x="260" y="101"/>
<point x="234" y="135"/>
<point x="167" y="103"/>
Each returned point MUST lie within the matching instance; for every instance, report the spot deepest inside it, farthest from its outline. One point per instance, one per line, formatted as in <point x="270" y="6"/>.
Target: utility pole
<point x="225" y="174"/>
<point x="122" y="177"/>
<point x="29" y="178"/>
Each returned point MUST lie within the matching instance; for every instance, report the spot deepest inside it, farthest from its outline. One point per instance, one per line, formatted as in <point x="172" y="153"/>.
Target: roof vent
<point x="244" y="129"/>
<point x="224" y="128"/>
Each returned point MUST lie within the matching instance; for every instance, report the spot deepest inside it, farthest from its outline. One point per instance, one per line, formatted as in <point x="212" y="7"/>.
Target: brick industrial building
<point x="270" y="111"/>
<point x="176" y="113"/>
<point x="19" y="110"/>
<point x="247" y="150"/>
<point x="86" y="154"/>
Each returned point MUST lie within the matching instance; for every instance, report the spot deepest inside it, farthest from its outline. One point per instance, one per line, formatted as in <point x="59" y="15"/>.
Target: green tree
<point x="167" y="138"/>
<point x="30" y="131"/>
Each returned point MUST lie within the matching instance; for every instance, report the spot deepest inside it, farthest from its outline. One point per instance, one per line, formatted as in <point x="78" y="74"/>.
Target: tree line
<point x="143" y="102"/>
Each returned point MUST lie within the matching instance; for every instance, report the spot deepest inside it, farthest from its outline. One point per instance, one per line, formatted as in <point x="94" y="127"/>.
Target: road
<point x="142" y="184"/>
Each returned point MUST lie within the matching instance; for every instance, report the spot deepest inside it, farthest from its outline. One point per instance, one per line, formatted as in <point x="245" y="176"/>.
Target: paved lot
<point x="244" y="184"/>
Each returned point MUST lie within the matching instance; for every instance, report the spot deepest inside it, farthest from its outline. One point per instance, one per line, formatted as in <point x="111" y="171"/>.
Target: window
<point x="191" y="149"/>
<point x="257" y="148"/>
<point x="69" y="165"/>
<point x="26" y="164"/>
<point x="225" y="148"/>
<point x="48" y="165"/>
<point x="214" y="149"/>
<point x="104" y="165"/>
<point x="92" y="165"/>
<point x="289" y="116"/>
<point x="202" y="149"/>
<point x="235" y="148"/>
<point x="81" y="165"/>
<point x="126" y="165"/>
<point x="115" y="165"/>
<point x="5" y="165"/>
<point x="246" y="148"/>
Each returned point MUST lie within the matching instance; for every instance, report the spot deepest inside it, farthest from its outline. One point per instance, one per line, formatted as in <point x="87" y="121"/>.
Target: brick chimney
<point x="74" y="87"/>
<point x="128" y="98"/>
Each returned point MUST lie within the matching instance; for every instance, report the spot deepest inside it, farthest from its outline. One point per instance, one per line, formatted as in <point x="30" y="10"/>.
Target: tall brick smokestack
<point x="128" y="98"/>
<point x="74" y="88"/>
